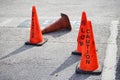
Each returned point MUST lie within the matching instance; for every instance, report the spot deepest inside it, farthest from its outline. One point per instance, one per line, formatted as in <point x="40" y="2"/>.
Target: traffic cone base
<point x="95" y="72"/>
<point x="69" y="25"/>
<point x="76" y="53"/>
<point x="39" y="44"/>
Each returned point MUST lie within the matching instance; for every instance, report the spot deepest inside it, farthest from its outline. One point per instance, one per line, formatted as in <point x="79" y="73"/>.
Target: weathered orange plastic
<point x="81" y="34"/>
<point x="35" y="32"/>
<point x="62" y="23"/>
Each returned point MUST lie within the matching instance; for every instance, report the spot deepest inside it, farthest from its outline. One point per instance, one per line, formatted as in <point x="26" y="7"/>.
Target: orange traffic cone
<point x="36" y="37"/>
<point x="62" y="23"/>
<point x="89" y="61"/>
<point x="81" y="35"/>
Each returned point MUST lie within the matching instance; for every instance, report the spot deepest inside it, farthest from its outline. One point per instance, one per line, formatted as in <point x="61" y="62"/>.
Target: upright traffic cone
<point x="81" y="35"/>
<point x="89" y="61"/>
<point x="62" y="23"/>
<point x="36" y="37"/>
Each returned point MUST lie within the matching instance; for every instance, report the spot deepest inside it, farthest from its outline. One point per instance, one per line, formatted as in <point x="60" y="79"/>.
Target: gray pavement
<point x="52" y="61"/>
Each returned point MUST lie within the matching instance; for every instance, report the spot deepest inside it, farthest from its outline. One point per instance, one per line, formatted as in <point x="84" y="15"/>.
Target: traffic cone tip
<point x="83" y="18"/>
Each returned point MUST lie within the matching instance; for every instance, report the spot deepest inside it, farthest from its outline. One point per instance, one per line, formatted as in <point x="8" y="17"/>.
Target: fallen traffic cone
<point x="36" y="37"/>
<point x="81" y="35"/>
<point x="89" y="61"/>
<point x="62" y="23"/>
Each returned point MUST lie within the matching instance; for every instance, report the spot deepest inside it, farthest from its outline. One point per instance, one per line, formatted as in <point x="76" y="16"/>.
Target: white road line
<point x="43" y="23"/>
<point x="109" y="69"/>
<point x="5" y="22"/>
<point x="47" y="22"/>
<point x="74" y="22"/>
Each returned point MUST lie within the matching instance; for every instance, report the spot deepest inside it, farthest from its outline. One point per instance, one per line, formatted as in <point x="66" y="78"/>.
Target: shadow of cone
<point x="62" y="23"/>
<point x="89" y="61"/>
<point x="81" y="35"/>
<point x="36" y="37"/>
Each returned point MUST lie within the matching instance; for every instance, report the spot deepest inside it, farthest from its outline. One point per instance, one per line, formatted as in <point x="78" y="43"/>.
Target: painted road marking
<point x="109" y="69"/>
<point x="44" y="23"/>
<point x="5" y="22"/>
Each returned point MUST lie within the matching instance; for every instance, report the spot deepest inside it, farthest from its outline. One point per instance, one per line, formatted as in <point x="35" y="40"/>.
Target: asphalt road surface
<point x="53" y="61"/>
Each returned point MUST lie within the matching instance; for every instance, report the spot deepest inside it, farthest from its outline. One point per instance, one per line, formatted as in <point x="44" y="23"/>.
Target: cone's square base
<point x="39" y="44"/>
<point x="76" y="53"/>
<point x="95" y="72"/>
